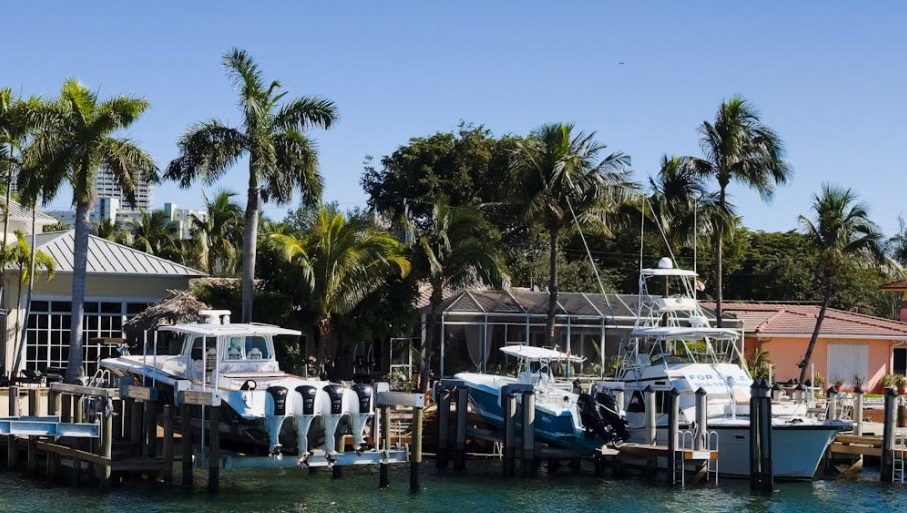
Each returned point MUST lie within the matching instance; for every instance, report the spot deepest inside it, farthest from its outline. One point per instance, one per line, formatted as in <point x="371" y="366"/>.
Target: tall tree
<point x="563" y="176"/>
<point x="16" y="124"/>
<point x="153" y="233"/>
<point x="30" y="262"/>
<point x="220" y="231"/>
<point x="340" y="264"/>
<point x="738" y="147"/>
<point x="75" y="138"/>
<point x="841" y="236"/>
<point x="281" y="157"/>
<point x="458" y="248"/>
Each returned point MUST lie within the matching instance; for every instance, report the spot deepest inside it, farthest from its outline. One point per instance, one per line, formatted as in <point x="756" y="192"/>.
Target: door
<point x="900" y="360"/>
<point x="846" y="361"/>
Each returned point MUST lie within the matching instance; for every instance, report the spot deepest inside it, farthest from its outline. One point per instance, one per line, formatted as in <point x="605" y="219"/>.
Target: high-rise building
<point x="106" y="185"/>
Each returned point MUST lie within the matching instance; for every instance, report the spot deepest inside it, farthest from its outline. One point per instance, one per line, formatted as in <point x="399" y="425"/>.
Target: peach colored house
<point x="849" y="344"/>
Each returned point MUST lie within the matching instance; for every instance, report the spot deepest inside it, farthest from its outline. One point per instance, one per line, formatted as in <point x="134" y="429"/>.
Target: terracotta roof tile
<point x="786" y="319"/>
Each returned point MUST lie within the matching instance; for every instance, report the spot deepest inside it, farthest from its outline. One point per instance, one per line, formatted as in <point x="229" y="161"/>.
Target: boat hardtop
<point x="537" y="354"/>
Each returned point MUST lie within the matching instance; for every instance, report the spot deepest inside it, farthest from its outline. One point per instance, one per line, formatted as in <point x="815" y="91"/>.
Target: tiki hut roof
<point x="178" y="307"/>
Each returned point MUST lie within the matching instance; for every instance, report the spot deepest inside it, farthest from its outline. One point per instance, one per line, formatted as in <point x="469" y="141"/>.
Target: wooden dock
<point x="862" y="446"/>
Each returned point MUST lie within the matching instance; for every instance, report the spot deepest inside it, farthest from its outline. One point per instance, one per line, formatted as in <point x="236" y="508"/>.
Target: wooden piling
<point x="186" y="441"/>
<point x="673" y="430"/>
<point x="886" y="469"/>
<point x="167" y="444"/>
<point x="383" y="468"/>
<point x="509" y="406"/>
<point x="528" y="434"/>
<point x="118" y="419"/>
<point x="53" y="467"/>
<point x="65" y="407"/>
<point x="858" y="412"/>
<point x="649" y="399"/>
<point x="214" y="452"/>
<point x="104" y="470"/>
<point x="149" y="441"/>
<point x="135" y="424"/>
<point x="415" y="480"/>
<point x="33" y="402"/>
<point x="460" y="444"/>
<point x="13" y="401"/>
<point x="443" y="427"/>
<point x="761" y="476"/>
<point x="12" y="453"/>
<point x="54" y="403"/>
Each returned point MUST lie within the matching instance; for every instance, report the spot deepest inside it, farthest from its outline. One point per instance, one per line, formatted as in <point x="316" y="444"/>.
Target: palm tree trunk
<point x="31" y="286"/>
<point x="80" y="260"/>
<point x="9" y="186"/>
<point x="17" y="363"/>
<point x="552" y="290"/>
<point x="719" y="263"/>
<point x="428" y="346"/>
<point x="249" y="246"/>
<point x="31" y="283"/>
<point x="804" y="365"/>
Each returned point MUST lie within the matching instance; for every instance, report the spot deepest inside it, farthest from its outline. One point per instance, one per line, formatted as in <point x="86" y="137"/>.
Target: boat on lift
<point x="563" y="418"/>
<point x="265" y="405"/>
<point x="673" y="345"/>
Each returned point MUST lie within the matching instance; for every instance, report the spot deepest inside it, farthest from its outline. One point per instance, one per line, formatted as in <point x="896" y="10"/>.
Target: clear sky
<point x="828" y="76"/>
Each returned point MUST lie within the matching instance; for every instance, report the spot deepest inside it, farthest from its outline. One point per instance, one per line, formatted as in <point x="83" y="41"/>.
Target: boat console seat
<point x="254" y="354"/>
<point x="234" y="354"/>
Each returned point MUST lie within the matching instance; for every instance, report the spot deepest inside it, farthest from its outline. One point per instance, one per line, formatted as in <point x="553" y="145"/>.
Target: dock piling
<point x="886" y="469"/>
<point x="415" y="480"/>
<point x="858" y="411"/>
<point x="383" y="468"/>
<point x="443" y="427"/>
<point x="186" y="442"/>
<point x="214" y="451"/>
<point x="509" y="408"/>
<point x="460" y="444"/>
<point x="673" y="430"/>
<point x="167" y="445"/>
<point x="528" y="434"/>
<point x="106" y="447"/>
<point x="761" y="475"/>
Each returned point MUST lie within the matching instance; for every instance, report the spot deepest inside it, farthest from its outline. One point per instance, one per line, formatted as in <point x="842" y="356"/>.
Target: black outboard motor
<point x="362" y="396"/>
<point x="331" y="414"/>
<point x="275" y="415"/>
<point x="600" y="415"/>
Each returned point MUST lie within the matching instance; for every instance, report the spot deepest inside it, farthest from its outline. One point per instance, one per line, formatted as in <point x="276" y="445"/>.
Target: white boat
<point x="673" y="346"/>
<point x="562" y="418"/>
<point x="236" y="363"/>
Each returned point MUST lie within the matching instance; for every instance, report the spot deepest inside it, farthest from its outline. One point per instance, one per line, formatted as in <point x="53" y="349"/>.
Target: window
<point x="257" y="348"/>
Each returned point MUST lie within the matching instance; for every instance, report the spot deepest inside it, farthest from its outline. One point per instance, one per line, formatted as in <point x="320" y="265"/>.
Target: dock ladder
<point x="686" y="447"/>
<point x="897" y="463"/>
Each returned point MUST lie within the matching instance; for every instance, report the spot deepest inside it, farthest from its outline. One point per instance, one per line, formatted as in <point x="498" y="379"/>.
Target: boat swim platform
<point x="47" y="426"/>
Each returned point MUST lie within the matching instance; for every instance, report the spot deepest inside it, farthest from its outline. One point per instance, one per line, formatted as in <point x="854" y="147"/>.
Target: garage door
<point x="846" y="361"/>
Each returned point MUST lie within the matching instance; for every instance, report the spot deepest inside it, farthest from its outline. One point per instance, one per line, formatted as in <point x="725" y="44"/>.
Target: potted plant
<point x="837" y="383"/>
<point x="886" y="382"/>
<point x="900" y="382"/>
<point x="858" y="383"/>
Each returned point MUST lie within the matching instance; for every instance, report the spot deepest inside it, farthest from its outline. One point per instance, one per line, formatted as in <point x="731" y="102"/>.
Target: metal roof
<point x="17" y="211"/>
<point x="521" y="301"/>
<point x="106" y="257"/>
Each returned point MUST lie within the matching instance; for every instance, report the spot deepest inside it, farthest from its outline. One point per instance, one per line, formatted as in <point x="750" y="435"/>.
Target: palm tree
<point x="30" y="262"/>
<point x="458" y="248"/>
<point x="341" y="264"/>
<point x="109" y="229"/>
<point x="153" y="233"/>
<point x="563" y="180"/>
<point x="220" y="231"/>
<point x="738" y="147"/>
<point x="842" y="236"/>
<point x="75" y="138"/>
<point x="281" y="156"/>
<point x="17" y="119"/>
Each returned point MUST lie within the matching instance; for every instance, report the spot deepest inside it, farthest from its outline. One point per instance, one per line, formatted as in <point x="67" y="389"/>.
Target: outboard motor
<point x="332" y="411"/>
<point x="601" y="415"/>
<point x="275" y="414"/>
<point x="359" y="405"/>
<point x="305" y="412"/>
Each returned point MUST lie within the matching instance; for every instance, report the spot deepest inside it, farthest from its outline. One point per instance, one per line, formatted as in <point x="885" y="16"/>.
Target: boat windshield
<point x="252" y="347"/>
<point x="701" y="350"/>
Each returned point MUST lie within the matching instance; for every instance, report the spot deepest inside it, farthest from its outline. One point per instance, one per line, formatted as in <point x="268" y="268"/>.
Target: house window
<point x="48" y="331"/>
<point x="900" y="360"/>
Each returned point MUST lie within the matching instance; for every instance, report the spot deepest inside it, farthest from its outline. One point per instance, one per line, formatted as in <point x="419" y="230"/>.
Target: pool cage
<point x="474" y="324"/>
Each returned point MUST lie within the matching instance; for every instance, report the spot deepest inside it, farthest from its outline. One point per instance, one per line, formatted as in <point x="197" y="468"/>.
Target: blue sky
<point x="828" y="76"/>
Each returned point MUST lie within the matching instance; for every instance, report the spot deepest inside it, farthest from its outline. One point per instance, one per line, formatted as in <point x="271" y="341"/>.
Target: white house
<point x="120" y="283"/>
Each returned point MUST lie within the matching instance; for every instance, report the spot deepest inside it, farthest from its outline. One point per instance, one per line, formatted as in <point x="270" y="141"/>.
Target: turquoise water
<point x="481" y="489"/>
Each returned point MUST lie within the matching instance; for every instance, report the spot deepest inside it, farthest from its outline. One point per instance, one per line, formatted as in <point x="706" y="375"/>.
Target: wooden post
<point x="858" y="412"/>
<point x="886" y="469"/>
<point x="167" y="445"/>
<point x="13" y="401"/>
<point x="673" y="429"/>
<point x="31" y="462"/>
<point x="214" y="452"/>
<point x="135" y="424"/>
<point x="53" y="467"/>
<point x="765" y="444"/>
<point x="65" y="407"/>
<point x="508" y="401"/>
<point x="460" y="447"/>
<point x="755" y="473"/>
<point x="78" y="409"/>
<point x="528" y="456"/>
<point x="415" y="480"/>
<point x="33" y="402"/>
<point x="339" y="446"/>
<point x="54" y="403"/>
<point x="12" y="453"/>
<point x="649" y="398"/>
<point x="76" y="475"/>
<point x="186" y="441"/>
<point x="106" y="451"/>
<point x="383" y="468"/>
<point x="702" y="420"/>
<point x="118" y="419"/>
<point x="150" y="439"/>
<point x="443" y="426"/>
